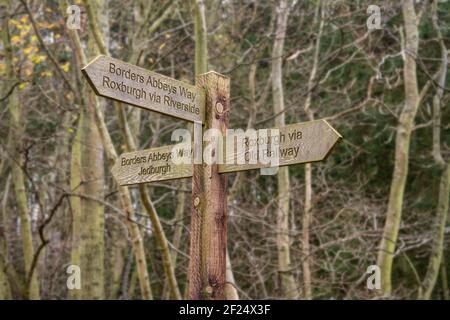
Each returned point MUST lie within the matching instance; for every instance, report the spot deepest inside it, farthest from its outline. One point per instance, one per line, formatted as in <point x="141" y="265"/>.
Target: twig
<point x="10" y="91"/>
<point x="44" y="242"/>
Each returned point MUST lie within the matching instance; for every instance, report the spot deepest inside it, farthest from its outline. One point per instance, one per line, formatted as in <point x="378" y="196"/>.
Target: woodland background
<point x="309" y="232"/>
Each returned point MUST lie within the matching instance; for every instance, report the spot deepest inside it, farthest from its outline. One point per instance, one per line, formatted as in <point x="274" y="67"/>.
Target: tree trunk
<point x="178" y="221"/>
<point x="444" y="279"/>
<point x="403" y="137"/>
<point x="437" y="248"/>
<point x="439" y="236"/>
<point x="88" y="232"/>
<point x="75" y="202"/>
<point x="230" y="286"/>
<point x="162" y="243"/>
<point x="18" y="178"/>
<point x="289" y="285"/>
<point x="89" y="221"/>
<point x="5" y="288"/>
<point x="307" y="215"/>
<point x="201" y="39"/>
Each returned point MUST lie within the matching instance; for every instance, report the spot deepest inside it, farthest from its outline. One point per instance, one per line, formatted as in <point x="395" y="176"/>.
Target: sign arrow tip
<point x="333" y="129"/>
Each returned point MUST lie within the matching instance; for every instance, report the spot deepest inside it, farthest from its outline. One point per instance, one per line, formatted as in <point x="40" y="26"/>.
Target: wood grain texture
<point x="121" y="81"/>
<point x="207" y="268"/>
<point x="298" y="143"/>
<point x="149" y="165"/>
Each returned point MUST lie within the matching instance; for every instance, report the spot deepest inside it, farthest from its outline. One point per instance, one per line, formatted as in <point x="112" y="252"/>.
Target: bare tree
<point x="289" y="284"/>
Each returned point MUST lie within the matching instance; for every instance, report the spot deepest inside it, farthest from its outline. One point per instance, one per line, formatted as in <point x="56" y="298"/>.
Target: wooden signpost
<point x="208" y="103"/>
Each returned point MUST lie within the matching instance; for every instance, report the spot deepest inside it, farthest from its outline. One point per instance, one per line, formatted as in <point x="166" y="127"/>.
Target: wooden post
<point x="207" y="267"/>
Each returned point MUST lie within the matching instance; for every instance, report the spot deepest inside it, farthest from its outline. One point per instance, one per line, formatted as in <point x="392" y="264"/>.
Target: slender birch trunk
<point x="402" y="142"/>
<point x="89" y="224"/>
<point x="5" y="288"/>
<point x="444" y="279"/>
<point x="87" y="178"/>
<point x="437" y="248"/>
<point x="118" y="254"/>
<point x="230" y="286"/>
<point x="75" y="202"/>
<point x="307" y="215"/>
<point x="18" y="178"/>
<point x="178" y="221"/>
<point x="288" y="282"/>
<point x="201" y="38"/>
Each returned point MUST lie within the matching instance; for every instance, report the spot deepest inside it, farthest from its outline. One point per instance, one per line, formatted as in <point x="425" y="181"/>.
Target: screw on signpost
<point x="207" y="268"/>
<point x="196" y="202"/>
<point x="219" y="107"/>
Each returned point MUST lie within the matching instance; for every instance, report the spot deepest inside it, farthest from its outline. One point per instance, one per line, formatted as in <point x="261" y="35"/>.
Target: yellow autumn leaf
<point x="22" y="27"/>
<point x="47" y="74"/>
<point x="28" y="50"/>
<point x="23" y="32"/>
<point x="15" y="40"/>
<point x="23" y="85"/>
<point x="36" y="59"/>
<point x="65" y="67"/>
<point x="23" y="19"/>
<point x="34" y="38"/>
<point x="14" y="22"/>
<point x="162" y="46"/>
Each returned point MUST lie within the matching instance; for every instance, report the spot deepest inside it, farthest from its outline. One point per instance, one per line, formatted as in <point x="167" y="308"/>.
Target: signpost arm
<point x="207" y="268"/>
